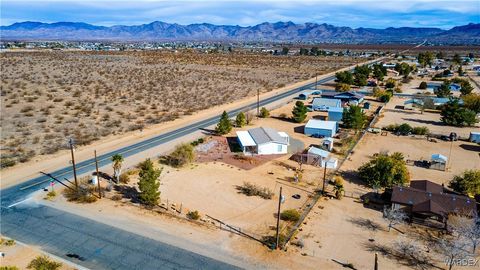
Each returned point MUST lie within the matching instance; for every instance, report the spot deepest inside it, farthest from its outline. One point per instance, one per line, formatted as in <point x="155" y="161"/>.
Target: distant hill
<point x="276" y="32"/>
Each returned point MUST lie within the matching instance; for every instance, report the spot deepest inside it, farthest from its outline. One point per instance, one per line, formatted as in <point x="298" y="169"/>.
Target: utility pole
<point x="278" y="218"/>
<point x="70" y="141"/>
<point x="376" y="262"/>
<point x="98" y="176"/>
<point x="258" y="102"/>
<point x="324" y="177"/>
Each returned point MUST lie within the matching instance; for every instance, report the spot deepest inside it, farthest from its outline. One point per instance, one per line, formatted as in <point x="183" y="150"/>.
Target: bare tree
<point x="466" y="228"/>
<point x="453" y="248"/>
<point x="394" y="216"/>
<point x="412" y="252"/>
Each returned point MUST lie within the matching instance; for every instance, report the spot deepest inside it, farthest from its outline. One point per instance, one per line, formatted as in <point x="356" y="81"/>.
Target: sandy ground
<point x="20" y="255"/>
<point x="416" y="118"/>
<point x="49" y="96"/>
<point x="30" y="169"/>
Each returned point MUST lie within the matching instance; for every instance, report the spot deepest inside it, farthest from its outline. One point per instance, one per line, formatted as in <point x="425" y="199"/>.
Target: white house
<point x="263" y="141"/>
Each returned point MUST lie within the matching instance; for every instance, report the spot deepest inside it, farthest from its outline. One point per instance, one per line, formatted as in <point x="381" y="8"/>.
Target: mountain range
<point x="266" y="32"/>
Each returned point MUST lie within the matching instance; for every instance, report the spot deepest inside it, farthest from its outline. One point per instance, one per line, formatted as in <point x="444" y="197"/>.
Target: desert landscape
<point x="49" y="96"/>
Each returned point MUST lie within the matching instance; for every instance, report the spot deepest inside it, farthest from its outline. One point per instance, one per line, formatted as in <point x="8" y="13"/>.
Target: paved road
<point x="16" y="193"/>
<point x="102" y="246"/>
<point x="98" y="246"/>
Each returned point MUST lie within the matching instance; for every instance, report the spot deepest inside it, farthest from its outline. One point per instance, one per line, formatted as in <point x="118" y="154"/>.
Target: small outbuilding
<point x="328" y="143"/>
<point x="474" y="137"/>
<point x="320" y="128"/>
<point x="335" y="114"/>
<point x="305" y="95"/>
<point x="438" y="162"/>
<point x="320" y="157"/>
<point x="263" y="141"/>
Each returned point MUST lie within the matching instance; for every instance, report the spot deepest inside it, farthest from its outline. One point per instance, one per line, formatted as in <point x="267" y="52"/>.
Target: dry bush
<point x="84" y="193"/>
<point x="250" y="189"/>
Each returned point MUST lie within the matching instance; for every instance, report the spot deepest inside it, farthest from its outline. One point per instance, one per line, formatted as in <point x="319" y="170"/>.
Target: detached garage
<point x="319" y="128"/>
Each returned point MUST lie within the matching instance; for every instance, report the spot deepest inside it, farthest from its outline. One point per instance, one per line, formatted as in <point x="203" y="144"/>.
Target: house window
<point x="279" y="148"/>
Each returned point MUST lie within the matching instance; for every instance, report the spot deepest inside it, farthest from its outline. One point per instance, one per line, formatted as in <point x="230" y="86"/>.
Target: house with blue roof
<point x="323" y="104"/>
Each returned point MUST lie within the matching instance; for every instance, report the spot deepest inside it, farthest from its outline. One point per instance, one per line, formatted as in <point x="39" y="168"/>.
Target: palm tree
<point x="117" y="160"/>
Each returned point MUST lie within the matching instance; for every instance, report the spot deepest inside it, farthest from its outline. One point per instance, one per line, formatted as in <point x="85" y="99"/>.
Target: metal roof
<point x="335" y="109"/>
<point x="439" y="158"/>
<point x="263" y="135"/>
<point x="319" y="152"/>
<point x="320" y="124"/>
<point x="326" y="102"/>
<point x="245" y="138"/>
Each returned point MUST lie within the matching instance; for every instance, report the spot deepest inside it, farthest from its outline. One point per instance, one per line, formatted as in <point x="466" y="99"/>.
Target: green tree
<point x="345" y="77"/>
<point x="117" y="161"/>
<point x="467" y="183"/>
<point x="467" y="88"/>
<point x="385" y="171"/>
<point x="224" y="126"/>
<point x="241" y="120"/>
<point x="390" y="83"/>
<point x="363" y="69"/>
<point x="472" y="102"/>
<point x="264" y="113"/>
<point x="425" y="58"/>
<point x="353" y="117"/>
<point x="299" y="112"/>
<point x="379" y="71"/>
<point x="457" y="59"/>
<point x="149" y="183"/>
<point x="285" y="50"/>
<point x="360" y="79"/>
<point x="444" y="90"/>
<point x="455" y="115"/>
<point x="423" y="85"/>
<point x="342" y="87"/>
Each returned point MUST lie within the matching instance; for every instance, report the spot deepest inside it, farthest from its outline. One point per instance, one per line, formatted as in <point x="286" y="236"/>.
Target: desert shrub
<point x="391" y="127"/>
<point x="271" y="240"/>
<point x="84" y="193"/>
<point x="10" y="242"/>
<point x="124" y="178"/>
<point x="404" y="129"/>
<point x="6" y="162"/>
<point x="43" y="263"/>
<point x="51" y="194"/>
<point x="116" y="197"/>
<point x="264" y="113"/>
<point x="9" y="268"/>
<point x="194" y="215"/>
<point x="181" y="156"/>
<point x="420" y="130"/>
<point x="290" y="215"/>
<point x="250" y="189"/>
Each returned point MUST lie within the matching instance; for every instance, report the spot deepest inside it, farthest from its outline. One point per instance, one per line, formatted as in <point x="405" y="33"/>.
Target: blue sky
<point x="353" y="13"/>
